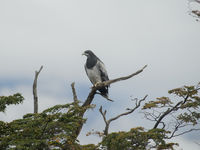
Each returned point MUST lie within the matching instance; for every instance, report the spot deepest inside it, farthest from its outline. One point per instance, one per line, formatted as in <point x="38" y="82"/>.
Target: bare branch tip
<point x="100" y="109"/>
<point x="40" y="69"/>
<point x="72" y="84"/>
<point x="144" y="66"/>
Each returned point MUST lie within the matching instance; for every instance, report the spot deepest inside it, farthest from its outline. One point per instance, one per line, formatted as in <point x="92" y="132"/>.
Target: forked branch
<point x="107" y="122"/>
<point x="169" y="110"/>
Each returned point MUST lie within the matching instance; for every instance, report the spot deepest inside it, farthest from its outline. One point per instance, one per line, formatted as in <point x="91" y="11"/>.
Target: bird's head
<point x="88" y="53"/>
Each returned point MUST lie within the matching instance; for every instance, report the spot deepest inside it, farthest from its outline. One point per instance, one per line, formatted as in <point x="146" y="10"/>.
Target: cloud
<point x="125" y="35"/>
<point x="185" y="144"/>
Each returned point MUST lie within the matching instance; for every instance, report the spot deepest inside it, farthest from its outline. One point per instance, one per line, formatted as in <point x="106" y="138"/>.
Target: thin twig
<point x="186" y="132"/>
<point x="103" y="114"/>
<point x="130" y="110"/>
<point x="175" y="130"/>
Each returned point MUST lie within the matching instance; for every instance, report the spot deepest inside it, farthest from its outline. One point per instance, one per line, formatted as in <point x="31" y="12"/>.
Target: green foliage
<point x="184" y="111"/>
<point x="160" y="102"/>
<point x="184" y="91"/>
<point x="53" y="128"/>
<point x="192" y="117"/>
<point x="189" y="94"/>
<point x="88" y="147"/>
<point x="191" y="103"/>
<point x="56" y="127"/>
<point x="8" y="100"/>
<point x="136" y="139"/>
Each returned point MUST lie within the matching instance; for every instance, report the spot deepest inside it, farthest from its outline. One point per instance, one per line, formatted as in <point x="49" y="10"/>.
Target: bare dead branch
<point x="35" y="96"/>
<point x="130" y="110"/>
<point x="123" y="78"/>
<point x="74" y="93"/>
<point x="175" y="130"/>
<point x="106" y="83"/>
<point x="103" y="114"/>
<point x="149" y="116"/>
<point x="178" y="126"/>
<point x="198" y="129"/>
<point x="94" y="89"/>
<point x="104" y="118"/>
<point x="107" y="122"/>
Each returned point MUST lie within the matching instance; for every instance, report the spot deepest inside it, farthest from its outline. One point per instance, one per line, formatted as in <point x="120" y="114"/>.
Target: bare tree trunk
<point x="35" y="97"/>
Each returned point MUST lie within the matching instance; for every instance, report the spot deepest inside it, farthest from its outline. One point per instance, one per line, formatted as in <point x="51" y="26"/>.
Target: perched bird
<point x="96" y="71"/>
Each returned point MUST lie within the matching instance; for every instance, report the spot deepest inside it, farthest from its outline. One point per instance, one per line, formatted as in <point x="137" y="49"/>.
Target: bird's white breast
<point x="94" y="74"/>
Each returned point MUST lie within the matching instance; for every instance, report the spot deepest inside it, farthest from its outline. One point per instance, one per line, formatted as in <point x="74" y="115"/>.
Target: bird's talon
<point x="97" y="84"/>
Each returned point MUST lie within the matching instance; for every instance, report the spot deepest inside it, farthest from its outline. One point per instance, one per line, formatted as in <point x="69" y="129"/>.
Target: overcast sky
<point x="124" y="34"/>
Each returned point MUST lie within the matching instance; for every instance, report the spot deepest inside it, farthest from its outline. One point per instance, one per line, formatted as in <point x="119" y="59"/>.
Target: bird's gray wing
<point x="102" y="69"/>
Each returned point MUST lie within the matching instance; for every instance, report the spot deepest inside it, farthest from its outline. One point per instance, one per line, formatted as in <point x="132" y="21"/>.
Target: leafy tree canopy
<point x="56" y="127"/>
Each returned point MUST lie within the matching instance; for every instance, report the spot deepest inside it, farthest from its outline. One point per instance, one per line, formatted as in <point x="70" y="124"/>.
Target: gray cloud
<point x="126" y="35"/>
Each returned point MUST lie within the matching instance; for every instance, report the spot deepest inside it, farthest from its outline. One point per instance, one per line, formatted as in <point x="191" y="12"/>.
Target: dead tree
<point x="98" y="86"/>
<point x="89" y="99"/>
<point x="35" y="96"/>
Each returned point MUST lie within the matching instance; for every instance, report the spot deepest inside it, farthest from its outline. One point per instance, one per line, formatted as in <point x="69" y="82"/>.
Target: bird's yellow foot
<point x="97" y="84"/>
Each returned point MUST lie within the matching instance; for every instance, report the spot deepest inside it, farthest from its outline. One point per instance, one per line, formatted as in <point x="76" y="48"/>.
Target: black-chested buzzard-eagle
<point x="96" y="71"/>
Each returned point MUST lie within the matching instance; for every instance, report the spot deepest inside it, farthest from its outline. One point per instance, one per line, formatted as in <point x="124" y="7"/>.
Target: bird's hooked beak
<point x="84" y="54"/>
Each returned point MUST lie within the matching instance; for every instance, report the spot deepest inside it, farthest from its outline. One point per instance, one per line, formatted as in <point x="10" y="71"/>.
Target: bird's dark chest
<point x="91" y="62"/>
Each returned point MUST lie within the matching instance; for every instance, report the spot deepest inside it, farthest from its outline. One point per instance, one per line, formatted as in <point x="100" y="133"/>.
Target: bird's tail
<point x="104" y="91"/>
